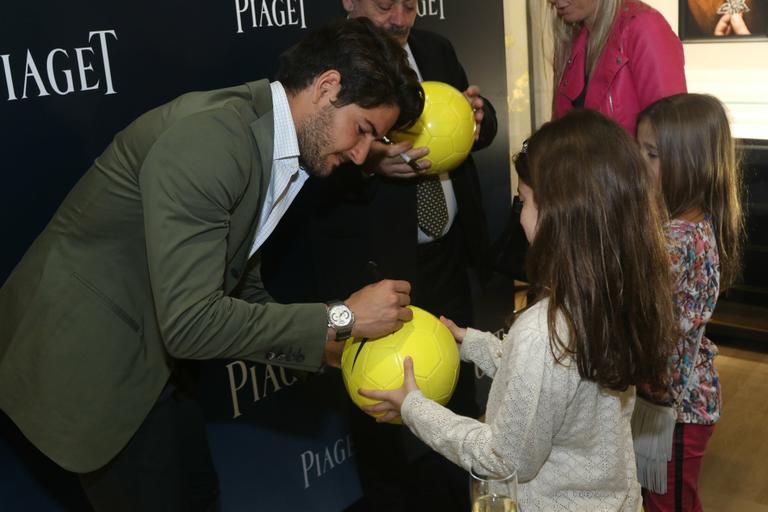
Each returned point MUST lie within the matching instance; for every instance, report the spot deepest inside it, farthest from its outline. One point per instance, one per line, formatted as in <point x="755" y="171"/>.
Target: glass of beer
<point x="491" y="493"/>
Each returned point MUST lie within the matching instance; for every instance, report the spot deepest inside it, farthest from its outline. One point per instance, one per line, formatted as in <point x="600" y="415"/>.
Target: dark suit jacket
<point x="348" y="220"/>
<point x="146" y="261"/>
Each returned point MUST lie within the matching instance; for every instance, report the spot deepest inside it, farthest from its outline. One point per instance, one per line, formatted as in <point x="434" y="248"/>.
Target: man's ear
<point x="326" y="86"/>
<point x="349" y="5"/>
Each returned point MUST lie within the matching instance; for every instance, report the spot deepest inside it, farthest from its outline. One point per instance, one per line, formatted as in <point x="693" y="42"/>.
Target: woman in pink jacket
<point x="614" y="56"/>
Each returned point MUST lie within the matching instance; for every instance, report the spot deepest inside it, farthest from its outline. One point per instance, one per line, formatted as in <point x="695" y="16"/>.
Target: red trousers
<point x="690" y="442"/>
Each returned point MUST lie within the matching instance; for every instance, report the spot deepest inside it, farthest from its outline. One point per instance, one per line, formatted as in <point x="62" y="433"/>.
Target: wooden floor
<point x="734" y="476"/>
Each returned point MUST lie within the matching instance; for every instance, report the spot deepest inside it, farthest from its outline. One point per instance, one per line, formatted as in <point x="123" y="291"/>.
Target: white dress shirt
<point x="287" y="176"/>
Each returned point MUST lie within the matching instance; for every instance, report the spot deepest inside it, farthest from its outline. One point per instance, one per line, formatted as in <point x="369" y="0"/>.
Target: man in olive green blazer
<point x="148" y="259"/>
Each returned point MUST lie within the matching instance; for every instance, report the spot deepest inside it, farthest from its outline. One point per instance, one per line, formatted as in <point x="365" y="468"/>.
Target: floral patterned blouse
<point x="696" y="266"/>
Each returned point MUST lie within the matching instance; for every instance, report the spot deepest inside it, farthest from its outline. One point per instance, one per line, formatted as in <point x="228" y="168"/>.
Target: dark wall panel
<point x="72" y="74"/>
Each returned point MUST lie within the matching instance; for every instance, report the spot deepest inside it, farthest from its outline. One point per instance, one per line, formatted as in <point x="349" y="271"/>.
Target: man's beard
<point x="314" y="137"/>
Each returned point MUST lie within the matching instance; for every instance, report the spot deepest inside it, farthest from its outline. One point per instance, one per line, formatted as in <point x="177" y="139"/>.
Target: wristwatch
<point x="340" y="319"/>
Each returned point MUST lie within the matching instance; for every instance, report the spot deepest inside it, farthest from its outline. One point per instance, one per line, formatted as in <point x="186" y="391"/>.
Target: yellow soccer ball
<point x="446" y="126"/>
<point x="378" y="363"/>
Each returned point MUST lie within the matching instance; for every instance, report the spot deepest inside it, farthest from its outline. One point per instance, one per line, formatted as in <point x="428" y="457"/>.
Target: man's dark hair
<point x="374" y="67"/>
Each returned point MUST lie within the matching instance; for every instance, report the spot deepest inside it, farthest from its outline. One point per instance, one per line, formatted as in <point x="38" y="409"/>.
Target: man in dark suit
<point x="369" y="215"/>
<point x="154" y="257"/>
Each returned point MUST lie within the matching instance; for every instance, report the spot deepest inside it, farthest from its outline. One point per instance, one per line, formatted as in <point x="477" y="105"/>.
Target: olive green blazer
<point x="146" y="261"/>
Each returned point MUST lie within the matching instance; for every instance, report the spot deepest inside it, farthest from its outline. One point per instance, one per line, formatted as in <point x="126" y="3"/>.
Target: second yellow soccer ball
<point x="446" y="126"/>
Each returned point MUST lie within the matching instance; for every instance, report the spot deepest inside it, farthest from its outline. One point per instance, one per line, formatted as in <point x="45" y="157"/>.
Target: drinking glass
<point x="493" y="494"/>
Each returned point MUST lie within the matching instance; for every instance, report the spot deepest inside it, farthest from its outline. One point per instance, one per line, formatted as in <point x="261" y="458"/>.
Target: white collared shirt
<point x="287" y="176"/>
<point x="445" y="179"/>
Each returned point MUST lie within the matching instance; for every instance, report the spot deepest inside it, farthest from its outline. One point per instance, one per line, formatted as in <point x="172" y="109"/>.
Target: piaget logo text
<point x="62" y="71"/>
<point x="246" y="383"/>
<point x="430" y="8"/>
<point x="269" y="13"/>
<point x="317" y="463"/>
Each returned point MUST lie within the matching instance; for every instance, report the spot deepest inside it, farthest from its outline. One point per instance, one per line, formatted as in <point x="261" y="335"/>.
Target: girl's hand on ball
<point x="458" y="332"/>
<point x="391" y="401"/>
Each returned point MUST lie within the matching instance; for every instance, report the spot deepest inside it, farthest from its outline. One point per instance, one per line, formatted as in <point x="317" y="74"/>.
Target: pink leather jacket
<point x="642" y="61"/>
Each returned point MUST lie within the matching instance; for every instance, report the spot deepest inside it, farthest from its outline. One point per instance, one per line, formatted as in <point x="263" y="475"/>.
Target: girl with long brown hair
<point x="687" y="142"/>
<point x="559" y="408"/>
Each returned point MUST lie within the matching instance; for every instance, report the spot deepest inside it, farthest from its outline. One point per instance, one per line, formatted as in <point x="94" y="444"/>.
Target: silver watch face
<point x="340" y="315"/>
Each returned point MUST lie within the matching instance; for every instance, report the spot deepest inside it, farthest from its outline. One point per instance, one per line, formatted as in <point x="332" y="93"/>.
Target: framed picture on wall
<point x="723" y="20"/>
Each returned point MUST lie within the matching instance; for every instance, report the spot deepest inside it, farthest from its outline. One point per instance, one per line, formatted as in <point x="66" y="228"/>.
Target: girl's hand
<point x="391" y="401"/>
<point x="458" y="332"/>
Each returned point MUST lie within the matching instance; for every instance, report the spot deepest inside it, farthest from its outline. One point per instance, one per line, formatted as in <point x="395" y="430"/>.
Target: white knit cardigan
<point x="567" y="438"/>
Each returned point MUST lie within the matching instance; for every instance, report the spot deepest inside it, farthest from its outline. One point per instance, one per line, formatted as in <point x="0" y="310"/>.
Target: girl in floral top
<point x="687" y="142"/>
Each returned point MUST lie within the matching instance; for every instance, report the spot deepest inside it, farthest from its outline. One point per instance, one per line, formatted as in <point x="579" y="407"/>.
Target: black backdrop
<point x="72" y="74"/>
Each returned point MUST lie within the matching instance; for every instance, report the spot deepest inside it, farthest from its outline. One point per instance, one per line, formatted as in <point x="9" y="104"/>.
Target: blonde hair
<point x="605" y="14"/>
